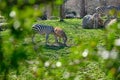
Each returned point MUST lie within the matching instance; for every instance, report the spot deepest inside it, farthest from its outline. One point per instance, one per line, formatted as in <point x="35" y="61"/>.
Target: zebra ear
<point x="55" y="29"/>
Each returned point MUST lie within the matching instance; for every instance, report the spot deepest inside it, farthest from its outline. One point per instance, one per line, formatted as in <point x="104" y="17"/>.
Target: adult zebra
<point x="92" y="21"/>
<point x="43" y="29"/>
<point x="109" y="11"/>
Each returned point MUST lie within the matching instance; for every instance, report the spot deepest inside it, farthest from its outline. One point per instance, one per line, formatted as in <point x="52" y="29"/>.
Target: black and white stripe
<point x="92" y="21"/>
<point x="106" y="10"/>
<point x="42" y="29"/>
<point x="101" y="10"/>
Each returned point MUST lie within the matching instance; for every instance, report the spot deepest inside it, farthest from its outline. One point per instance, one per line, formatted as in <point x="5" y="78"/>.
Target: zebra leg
<point x="108" y="17"/>
<point x="97" y="23"/>
<point x="33" y="38"/>
<point x="94" y="23"/>
<point x="47" y="36"/>
<point x="56" y="39"/>
<point x="64" y="41"/>
<point x="59" y="39"/>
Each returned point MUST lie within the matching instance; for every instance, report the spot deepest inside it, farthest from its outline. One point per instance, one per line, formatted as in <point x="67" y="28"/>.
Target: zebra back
<point x="105" y="9"/>
<point x="42" y="29"/>
<point x="110" y="7"/>
<point x="101" y="10"/>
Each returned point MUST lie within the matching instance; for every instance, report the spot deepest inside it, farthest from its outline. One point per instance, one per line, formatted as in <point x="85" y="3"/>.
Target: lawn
<point x="77" y="36"/>
<point x="80" y="60"/>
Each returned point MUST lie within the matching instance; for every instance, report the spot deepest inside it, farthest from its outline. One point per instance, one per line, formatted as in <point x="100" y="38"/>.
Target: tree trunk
<point x="49" y="11"/>
<point x="62" y="11"/>
<point x="82" y="9"/>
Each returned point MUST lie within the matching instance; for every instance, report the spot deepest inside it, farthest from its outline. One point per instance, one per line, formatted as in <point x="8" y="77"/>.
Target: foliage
<point x="81" y="60"/>
<point x="92" y="54"/>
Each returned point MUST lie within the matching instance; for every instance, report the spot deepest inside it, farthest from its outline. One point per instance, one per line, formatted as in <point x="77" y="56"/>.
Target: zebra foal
<point x="60" y="34"/>
<point x="43" y="29"/>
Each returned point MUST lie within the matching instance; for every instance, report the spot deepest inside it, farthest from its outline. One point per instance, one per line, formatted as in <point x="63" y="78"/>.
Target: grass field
<point x="78" y="61"/>
<point x="77" y="36"/>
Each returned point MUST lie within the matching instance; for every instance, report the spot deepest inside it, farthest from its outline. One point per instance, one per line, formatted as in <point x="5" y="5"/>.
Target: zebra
<point x="92" y="21"/>
<point x="87" y="22"/>
<point x="43" y="29"/>
<point x="95" y="18"/>
<point x="101" y="10"/>
<point x="60" y="34"/>
<point x="106" y="10"/>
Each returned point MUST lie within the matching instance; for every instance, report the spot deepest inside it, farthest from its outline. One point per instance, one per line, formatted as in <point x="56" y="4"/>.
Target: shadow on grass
<point x="50" y="51"/>
<point x="56" y="46"/>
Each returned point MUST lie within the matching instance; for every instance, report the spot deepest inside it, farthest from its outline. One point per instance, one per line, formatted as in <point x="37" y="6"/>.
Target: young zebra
<point x="60" y="34"/>
<point x="43" y="29"/>
<point x="106" y="10"/>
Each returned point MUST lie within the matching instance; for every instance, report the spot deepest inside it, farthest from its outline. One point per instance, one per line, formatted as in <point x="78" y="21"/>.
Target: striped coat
<point x="109" y="11"/>
<point x="43" y="29"/>
<point x="92" y="21"/>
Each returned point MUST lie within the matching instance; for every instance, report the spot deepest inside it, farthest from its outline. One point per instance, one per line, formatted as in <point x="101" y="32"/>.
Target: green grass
<point x="75" y="33"/>
<point x="42" y="59"/>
